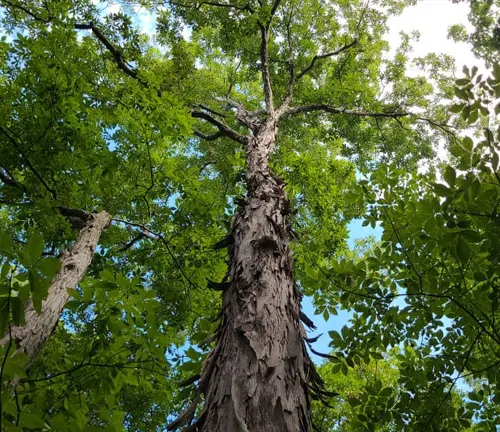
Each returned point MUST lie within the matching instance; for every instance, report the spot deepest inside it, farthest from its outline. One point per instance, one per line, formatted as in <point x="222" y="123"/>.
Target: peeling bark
<point x="257" y="377"/>
<point x="31" y="337"/>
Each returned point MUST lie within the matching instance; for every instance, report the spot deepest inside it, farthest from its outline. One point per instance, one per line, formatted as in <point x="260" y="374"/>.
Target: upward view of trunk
<point x="256" y="379"/>
<point x="31" y="337"/>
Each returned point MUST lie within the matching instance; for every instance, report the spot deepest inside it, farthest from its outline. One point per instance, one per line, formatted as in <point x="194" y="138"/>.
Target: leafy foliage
<point x="485" y="37"/>
<point x="101" y="116"/>
<point x="430" y="286"/>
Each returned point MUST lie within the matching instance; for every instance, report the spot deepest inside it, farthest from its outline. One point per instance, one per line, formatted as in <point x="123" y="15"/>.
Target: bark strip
<point x="31" y="337"/>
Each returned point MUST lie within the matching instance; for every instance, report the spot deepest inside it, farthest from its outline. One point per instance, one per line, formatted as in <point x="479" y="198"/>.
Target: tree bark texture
<point x="31" y="337"/>
<point x="256" y="379"/>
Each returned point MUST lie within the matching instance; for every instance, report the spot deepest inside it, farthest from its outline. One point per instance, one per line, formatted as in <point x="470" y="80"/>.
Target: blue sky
<point x="356" y="231"/>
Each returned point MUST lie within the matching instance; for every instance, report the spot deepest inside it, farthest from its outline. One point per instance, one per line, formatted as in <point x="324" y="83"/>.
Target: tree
<point x="354" y="385"/>
<point x="276" y="92"/>
<point x="40" y="318"/>
<point x="259" y="371"/>
<point x="485" y="38"/>
<point x="78" y="144"/>
<point x="368" y="393"/>
<point x="433" y="282"/>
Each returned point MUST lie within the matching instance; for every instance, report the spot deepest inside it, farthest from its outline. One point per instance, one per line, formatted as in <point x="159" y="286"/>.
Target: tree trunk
<point x="31" y="337"/>
<point x="256" y="379"/>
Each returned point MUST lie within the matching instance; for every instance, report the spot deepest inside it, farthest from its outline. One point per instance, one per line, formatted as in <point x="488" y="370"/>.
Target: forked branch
<point x="17" y="146"/>
<point x="336" y="110"/>
<point x="361" y="113"/>
<point x="325" y="56"/>
<point x="6" y="177"/>
<point x="274" y="8"/>
<point x="200" y="4"/>
<point x="117" y="55"/>
<point x="264" y="64"/>
<point x="223" y="129"/>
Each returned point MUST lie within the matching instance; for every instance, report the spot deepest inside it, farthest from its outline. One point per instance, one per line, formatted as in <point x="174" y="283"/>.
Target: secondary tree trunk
<point x="31" y="337"/>
<point x="256" y="379"/>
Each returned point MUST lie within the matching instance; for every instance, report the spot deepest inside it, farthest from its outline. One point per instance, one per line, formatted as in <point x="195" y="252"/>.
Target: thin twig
<point x="469" y="352"/>
<point x="157" y="236"/>
<point x="28" y="162"/>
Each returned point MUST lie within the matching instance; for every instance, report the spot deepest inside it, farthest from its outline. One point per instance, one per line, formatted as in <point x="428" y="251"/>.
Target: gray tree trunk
<point x="31" y="337"/>
<point x="256" y="379"/>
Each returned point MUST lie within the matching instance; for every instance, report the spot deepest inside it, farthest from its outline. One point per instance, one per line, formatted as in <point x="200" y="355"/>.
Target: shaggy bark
<point x="31" y="337"/>
<point x="257" y="377"/>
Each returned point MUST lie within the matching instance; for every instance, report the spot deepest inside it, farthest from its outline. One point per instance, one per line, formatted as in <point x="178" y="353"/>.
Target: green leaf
<point x="17" y="308"/>
<point x="463" y="250"/>
<point x="468" y="144"/>
<point x="335" y="336"/>
<point x="461" y="94"/>
<point x="130" y="379"/>
<point x="488" y="134"/>
<point x="464" y="223"/>
<point x="193" y="354"/>
<point x="343" y="368"/>
<point x="471" y="236"/>
<point x="39" y="289"/>
<point x="4" y="314"/>
<point x="5" y="243"/>
<point x="496" y="71"/>
<point x="354" y="402"/>
<point x="49" y="266"/>
<point x="494" y="161"/>
<point x="386" y="392"/>
<point x="456" y="108"/>
<point x="450" y="175"/>
<point x="473" y="117"/>
<point x="30" y="420"/>
<point x="107" y="276"/>
<point x="441" y="190"/>
<point x="5" y="270"/>
<point x="34" y="248"/>
<point x="326" y="315"/>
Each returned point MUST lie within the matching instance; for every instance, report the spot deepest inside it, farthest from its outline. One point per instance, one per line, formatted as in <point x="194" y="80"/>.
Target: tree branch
<point x="334" y="110"/>
<point x="31" y="167"/>
<point x="360" y="113"/>
<point x="157" y="236"/>
<point x="250" y="119"/>
<point x="274" y="8"/>
<point x="9" y="180"/>
<point x="211" y="111"/>
<point x="131" y="243"/>
<point x="325" y="56"/>
<point x="212" y="137"/>
<point x="446" y="396"/>
<point x="117" y="55"/>
<point x="289" y="92"/>
<point x="247" y="7"/>
<point x="224" y="130"/>
<point x="27" y="11"/>
<point x="69" y="212"/>
<point x="264" y="64"/>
